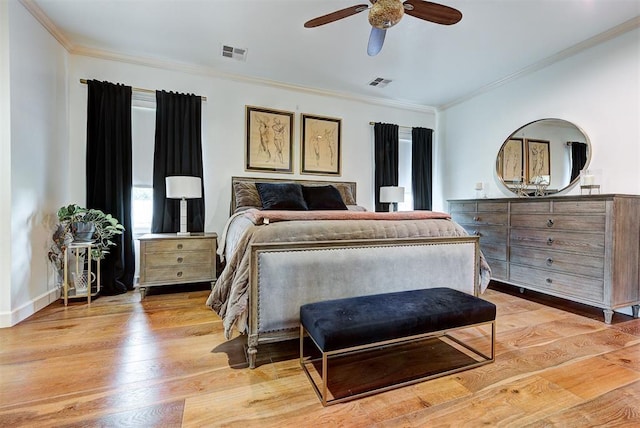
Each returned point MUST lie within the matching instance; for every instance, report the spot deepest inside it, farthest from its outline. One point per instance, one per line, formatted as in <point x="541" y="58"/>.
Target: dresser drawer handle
<point x="179" y="246"/>
<point x="179" y="259"/>
<point x="477" y="233"/>
<point x="550" y="222"/>
<point x="476" y="218"/>
<point x="549" y="281"/>
<point x="550" y="241"/>
<point x="179" y="274"/>
<point x="549" y="261"/>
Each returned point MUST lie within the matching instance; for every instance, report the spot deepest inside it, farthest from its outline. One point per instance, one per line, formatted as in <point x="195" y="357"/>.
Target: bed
<point x="278" y="259"/>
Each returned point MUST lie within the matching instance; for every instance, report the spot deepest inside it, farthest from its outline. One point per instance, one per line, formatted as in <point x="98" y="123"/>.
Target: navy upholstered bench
<point x="345" y="326"/>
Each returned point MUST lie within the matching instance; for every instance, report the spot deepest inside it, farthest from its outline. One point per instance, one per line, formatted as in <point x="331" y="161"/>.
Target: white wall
<point x="598" y="90"/>
<point x="223" y="116"/>
<point x="38" y="161"/>
<point x="5" y="166"/>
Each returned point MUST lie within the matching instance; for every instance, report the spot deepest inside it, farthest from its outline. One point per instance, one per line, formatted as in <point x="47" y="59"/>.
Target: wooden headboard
<point x="351" y="185"/>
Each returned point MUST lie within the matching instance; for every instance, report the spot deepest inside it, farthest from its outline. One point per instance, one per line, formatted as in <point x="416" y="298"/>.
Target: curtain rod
<point x="151" y="91"/>
<point x="399" y="126"/>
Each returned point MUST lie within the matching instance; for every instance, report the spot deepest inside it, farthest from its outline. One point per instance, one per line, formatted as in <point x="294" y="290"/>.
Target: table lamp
<point x="392" y="195"/>
<point x="183" y="188"/>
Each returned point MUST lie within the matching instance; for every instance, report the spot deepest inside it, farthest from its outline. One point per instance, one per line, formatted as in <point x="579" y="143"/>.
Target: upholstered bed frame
<point x="284" y="276"/>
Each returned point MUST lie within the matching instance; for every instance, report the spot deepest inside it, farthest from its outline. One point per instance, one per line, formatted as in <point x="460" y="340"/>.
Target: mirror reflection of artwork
<point x="569" y="152"/>
<point x="513" y="160"/>
<point x="269" y="140"/>
<point x="320" y="145"/>
<point x="538" y="160"/>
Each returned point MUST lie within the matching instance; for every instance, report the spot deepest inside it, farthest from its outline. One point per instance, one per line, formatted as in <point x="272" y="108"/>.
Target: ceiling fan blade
<point x="334" y="16"/>
<point x="376" y="40"/>
<point x="433" y="12"/>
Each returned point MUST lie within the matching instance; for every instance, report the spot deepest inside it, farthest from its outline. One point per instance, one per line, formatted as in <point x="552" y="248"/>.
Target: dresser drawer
<point x="582" y="223"/>
<point x="579" y="207"/>
<point x="178" y="274"/>
<point x="579" y="288"/>
<point x="498" y="207"/>
<point x="529" y="207"/>
<point x="460" y="207"/>
<point x="172" y="245"/>
<point x="585" y="243"/>
<point x="481" y="218"/>
<point x="178" y="258"/>
<point x="493" y="249"/>
<point x="558" y="261"/>
<point x="498" y="269"/>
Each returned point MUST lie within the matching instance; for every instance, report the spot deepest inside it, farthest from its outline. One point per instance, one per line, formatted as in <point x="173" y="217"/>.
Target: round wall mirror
<point x="543" y="157"/>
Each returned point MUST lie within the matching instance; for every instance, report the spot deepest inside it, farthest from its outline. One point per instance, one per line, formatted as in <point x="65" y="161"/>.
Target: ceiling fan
<point x="385" y="14"/>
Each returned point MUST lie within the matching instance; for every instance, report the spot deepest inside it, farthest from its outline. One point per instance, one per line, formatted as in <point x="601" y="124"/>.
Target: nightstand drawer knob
<point x="549" y="261"/>
<point x="179" y="274"/>
<point x="476" y="218"/>
<point x="179" y="259"/>
<point x="477" y="233"/>
<point x="550" y="222"/>
<point x="550" y="241"/>
<point x="549" y="281"/>
<point x="179" y="246"/>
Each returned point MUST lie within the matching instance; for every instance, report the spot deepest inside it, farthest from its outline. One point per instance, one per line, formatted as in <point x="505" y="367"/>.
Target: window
<point x="143" y="120"/>
<point x="141" y="210"/>
<point x="404" y="171"/>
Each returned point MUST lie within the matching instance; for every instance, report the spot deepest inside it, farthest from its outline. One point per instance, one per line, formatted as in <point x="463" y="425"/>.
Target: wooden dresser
<point x="582" y="248"/>
<point x="166" y="259"/>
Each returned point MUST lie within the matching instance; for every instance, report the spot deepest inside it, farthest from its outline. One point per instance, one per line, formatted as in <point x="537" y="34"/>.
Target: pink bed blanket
<point x="266" y="217"/>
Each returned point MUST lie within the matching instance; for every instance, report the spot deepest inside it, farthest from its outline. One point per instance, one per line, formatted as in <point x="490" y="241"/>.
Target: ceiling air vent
<point x="380" y="82"/>
<point x="236" y="53"/>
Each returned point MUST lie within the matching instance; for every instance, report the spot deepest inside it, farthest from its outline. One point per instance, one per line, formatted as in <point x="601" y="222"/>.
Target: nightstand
<point x="168" y="259"/>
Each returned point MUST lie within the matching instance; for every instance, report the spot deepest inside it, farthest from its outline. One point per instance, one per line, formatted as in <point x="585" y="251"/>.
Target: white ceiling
<point x="430" y="64"/>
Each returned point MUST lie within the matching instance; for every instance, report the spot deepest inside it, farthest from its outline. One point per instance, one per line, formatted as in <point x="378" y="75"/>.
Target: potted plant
<point x="84" y="225"/>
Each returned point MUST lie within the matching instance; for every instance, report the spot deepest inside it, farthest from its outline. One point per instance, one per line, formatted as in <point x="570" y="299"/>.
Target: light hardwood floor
<point x="163" y="362"/>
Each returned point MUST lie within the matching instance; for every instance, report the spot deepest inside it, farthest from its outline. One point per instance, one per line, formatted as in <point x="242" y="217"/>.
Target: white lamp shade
<point x="391" y="194"/>
<point x="179" y="187"/>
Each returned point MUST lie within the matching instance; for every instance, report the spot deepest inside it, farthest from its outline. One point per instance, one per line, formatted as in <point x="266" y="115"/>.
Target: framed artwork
<point x="269" y="140"/>
<point x="320" y="145"/>
<point x="538" y="164"/>
<point x="513" y="161"/>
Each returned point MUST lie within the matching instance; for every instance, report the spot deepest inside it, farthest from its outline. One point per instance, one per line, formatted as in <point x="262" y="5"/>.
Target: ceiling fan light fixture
<point x="385" y="13"/>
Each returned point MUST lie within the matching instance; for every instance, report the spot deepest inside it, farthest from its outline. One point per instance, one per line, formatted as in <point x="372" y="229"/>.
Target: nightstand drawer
<point x="172" y="245"/>
<point x="179" y="258"/>
<point x="179" y="274"/>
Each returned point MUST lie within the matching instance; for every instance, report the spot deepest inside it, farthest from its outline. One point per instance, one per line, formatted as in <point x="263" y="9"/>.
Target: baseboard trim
<point x="9" y="319"/>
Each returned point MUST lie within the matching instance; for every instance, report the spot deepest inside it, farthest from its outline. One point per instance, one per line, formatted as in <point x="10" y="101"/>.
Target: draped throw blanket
<point x="108" y="169"/>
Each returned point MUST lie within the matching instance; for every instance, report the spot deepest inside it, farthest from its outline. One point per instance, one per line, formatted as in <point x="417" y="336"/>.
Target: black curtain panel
<point x="422" y="168"/>
<point x="178" y="151"/>
<point x="386" y="159"/>
<point x="578" y="158"/>
<point x="108" y="165"/>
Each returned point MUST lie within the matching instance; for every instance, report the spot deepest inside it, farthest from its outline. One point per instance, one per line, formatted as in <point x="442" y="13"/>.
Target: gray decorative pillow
<point x="345" y="192"/>
<point x="246" y="196"/>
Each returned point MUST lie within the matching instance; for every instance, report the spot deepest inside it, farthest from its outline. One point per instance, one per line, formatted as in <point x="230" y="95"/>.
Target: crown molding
<point x="612" y="33"/>
<point x="212" y="72"/>
<point x="44" y="20"/>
